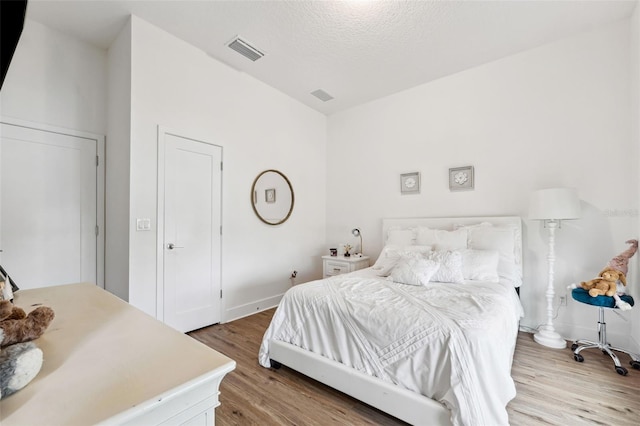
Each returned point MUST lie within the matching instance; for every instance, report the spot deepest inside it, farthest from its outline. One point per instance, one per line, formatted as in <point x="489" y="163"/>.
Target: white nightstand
<point x="336" y="265"/>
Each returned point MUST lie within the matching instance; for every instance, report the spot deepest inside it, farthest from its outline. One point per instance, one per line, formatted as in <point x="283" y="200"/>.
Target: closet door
<point x="48" y="207"/>
<point x="191" y="241"/>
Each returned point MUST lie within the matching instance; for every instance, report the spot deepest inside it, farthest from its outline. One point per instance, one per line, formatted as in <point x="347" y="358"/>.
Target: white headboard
<point x="448" y="223"/>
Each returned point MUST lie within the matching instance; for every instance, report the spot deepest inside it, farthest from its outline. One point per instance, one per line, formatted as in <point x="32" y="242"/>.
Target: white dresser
<point x="336" y="265"/>
<point x="108" y="362"/>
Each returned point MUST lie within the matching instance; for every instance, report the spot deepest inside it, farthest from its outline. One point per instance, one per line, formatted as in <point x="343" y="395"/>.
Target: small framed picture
<point x="270" y="195"/>
<point x="461" y="178"/>
<point x="410" y="183"/>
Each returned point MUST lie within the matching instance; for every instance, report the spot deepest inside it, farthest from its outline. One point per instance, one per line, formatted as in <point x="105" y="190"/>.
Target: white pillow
<point x="480" y="265"/>
<point x="450" y="270"/>
<point x="390" y="255"/>
<point x="445" y="240"/>
<point x="401" y="237"/>
<point x="502" y="239"/>
<point x="413" y="271"/>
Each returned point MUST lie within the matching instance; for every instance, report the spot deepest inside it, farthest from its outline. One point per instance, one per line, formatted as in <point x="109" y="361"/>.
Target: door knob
<point x="172" y="246"/>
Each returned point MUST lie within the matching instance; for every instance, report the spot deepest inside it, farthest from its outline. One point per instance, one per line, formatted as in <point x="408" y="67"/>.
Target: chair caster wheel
<point x="574" y="346"/>
<point x="578" y="357"/>
<point x="621" y="371"/>
<point x="635" y="364"/>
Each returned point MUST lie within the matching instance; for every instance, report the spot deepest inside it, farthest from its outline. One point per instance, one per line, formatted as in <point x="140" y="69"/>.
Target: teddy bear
<point x="20" y="358"/>
<point x="615" y="270"/>
<point x="18" y="327"/>
<point x="605" y="283"/>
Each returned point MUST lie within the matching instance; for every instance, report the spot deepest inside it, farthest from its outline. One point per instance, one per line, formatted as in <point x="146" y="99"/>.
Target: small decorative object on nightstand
<point x="347" y="249"/>
<point x="356" y="233"/>
<point x="336" y="265"/>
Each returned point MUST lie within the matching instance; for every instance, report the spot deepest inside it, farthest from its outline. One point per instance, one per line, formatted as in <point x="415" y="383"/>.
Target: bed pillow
<point x="503" y="240"/>
<point x="450" y="270"/>
<point x="480" y="265"/>
<point x="390" y="255"/>
<point x="401" y="237"/>
<point x="446" y="240"/>
<point x="413" y="271"/>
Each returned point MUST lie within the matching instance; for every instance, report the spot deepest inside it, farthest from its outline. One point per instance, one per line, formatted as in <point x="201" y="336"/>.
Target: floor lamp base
<point x="550" y="339"/>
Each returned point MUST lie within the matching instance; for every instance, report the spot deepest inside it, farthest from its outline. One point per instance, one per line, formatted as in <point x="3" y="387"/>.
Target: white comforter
<point x="450" y="342"/>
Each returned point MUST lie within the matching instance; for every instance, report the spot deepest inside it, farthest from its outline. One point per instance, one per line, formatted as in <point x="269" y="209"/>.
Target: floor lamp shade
<point x="552" y="206"/>
<point x="554" y="203"/>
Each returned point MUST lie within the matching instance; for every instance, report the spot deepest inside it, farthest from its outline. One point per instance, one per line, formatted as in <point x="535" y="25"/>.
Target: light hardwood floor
<point x="552" y="389"/>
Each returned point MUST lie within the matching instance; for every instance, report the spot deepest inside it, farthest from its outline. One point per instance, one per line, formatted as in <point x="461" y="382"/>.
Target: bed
<point x="427" y="334"/>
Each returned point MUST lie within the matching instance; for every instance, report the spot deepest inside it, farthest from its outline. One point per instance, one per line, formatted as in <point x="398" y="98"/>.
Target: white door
<point x="48" y="207"/>
<point x="191" y="237"/>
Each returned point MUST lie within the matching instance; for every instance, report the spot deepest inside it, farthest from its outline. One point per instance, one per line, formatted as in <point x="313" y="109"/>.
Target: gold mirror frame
<point x="254" y="197"/>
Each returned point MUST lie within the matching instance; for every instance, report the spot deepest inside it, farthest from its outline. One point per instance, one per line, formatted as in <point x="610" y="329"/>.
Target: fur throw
<point x="19" y="364"/>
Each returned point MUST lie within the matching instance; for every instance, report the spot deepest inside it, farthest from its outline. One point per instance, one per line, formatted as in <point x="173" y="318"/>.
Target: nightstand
<point x="336" y="265"/>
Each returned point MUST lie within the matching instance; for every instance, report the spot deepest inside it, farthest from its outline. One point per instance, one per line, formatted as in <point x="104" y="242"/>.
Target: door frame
<point x="100" y="179"/>
<point x="162" y="133"/>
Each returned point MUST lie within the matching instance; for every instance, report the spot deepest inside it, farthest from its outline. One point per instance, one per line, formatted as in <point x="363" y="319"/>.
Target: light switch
<point x="143" y="224"/>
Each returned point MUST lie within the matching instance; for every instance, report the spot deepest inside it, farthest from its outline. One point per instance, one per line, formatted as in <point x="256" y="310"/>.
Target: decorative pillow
<point x="401" y="237"/>
<point x="450" y="270"/>
<point x="502" y="239"/>
<point x="413" y="271"/>
<point x="446" y="240"/>
<point x="480" y="265"/>
<point x="390" y="255"/>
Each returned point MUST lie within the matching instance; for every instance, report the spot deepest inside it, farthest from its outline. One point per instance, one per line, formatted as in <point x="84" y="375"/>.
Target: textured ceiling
<point x="355" y="50"/>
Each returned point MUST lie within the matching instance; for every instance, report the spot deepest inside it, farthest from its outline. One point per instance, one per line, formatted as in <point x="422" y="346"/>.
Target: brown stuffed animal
<point x="605" y="284"/>
<point x="18" y="327"/>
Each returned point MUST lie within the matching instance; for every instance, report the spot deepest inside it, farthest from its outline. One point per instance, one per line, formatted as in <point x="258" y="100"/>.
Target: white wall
<point x="57" y="80"/>
<point x="118" y="166"/>
<point x="155" y="79"/>
<point x="558" y="115"/>
<point x="181" y="88"/>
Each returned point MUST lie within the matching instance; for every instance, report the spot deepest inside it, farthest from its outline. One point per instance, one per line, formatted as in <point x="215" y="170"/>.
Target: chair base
<point x="602" y="344"/>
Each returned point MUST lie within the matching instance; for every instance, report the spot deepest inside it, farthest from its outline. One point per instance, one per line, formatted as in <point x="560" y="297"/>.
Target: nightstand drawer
<point x="337" y="265"/>
<point x="335" y="268"/>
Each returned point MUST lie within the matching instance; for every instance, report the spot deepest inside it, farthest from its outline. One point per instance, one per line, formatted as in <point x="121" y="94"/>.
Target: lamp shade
<point x="554" y="203"/>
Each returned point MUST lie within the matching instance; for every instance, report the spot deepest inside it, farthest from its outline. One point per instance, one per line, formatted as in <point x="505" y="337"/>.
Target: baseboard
<point x="251" y="308"/>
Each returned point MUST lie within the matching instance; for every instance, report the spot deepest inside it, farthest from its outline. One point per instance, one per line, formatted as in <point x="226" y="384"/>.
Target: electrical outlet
<point x="563" y="300"/>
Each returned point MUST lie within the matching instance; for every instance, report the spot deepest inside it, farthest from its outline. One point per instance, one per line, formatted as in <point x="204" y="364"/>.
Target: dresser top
<point x="102" y="358"/>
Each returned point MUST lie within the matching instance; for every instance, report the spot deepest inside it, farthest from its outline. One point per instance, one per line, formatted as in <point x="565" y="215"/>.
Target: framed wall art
<point x="410" y="183"/>
<point x="461" y="178"/>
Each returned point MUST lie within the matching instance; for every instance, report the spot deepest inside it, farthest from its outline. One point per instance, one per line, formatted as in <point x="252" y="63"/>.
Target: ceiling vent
<point x="322" y="95"/>
<point x="245" y="49"/>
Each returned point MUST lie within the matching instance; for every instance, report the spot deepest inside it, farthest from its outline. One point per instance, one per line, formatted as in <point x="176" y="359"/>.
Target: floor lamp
<point x="552" y="206"/>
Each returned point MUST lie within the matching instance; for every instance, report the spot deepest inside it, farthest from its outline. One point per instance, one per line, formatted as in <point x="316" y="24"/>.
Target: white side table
<point x="336" y="265"/>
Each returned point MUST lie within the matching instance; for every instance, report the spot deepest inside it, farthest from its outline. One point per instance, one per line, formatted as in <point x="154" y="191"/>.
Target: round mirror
<point x="272" y="197"/>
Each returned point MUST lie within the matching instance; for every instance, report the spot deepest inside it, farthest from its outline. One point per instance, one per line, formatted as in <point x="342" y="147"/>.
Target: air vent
<point x="245" y="49"/>
<point x="322" y="95"/>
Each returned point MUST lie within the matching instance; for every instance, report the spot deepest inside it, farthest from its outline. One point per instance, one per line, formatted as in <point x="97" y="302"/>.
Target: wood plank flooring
<point x="552" y="389"/>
